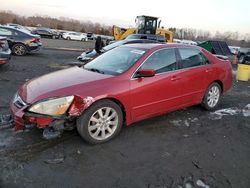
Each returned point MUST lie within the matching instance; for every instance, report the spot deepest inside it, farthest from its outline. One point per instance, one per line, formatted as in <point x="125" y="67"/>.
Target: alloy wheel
<point x="213" y="96"/>
<point x="19" y="50"/>
<point x="103" y="123"/>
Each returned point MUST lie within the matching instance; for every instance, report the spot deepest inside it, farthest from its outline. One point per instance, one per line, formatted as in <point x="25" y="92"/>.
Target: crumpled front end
<point x="23" y="118"/>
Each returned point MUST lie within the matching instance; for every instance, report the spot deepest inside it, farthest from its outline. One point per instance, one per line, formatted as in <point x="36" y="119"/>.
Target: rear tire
<point x="100" y="122"/>
<point x="212" y="97"/>
<point x="19" y="49"/>
<point x="68" y="38"/>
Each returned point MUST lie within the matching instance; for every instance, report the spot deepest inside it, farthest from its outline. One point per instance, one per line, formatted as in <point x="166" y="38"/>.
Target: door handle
<point x="175" y="78"/>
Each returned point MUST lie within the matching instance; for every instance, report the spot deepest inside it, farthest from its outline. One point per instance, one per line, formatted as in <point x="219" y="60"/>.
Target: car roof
<point x="138" y="40"/>
<point x="18" y="30"/>
<point x="8" y="27"/>
<point x="149" y="46"/>
<point x="159" y="38"/>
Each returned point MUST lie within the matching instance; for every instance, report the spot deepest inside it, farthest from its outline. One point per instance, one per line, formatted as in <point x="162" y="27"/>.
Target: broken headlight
<point x="52" y="107"/>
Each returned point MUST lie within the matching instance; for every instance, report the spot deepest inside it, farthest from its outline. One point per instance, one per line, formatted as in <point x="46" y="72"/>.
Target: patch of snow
<point x="194" y="120"/>
<point x="186" y="123"/>
<point x="188" y="185"/>
<point x="176" y="122"/>
<point x="218" y="114"/>
<point x="246" y="111"/>
<point x="166" y="154"/>
<point x="201" y="184"/>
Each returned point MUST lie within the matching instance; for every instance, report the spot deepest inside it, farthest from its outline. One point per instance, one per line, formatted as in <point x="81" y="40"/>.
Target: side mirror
<point x="145" y="73"/>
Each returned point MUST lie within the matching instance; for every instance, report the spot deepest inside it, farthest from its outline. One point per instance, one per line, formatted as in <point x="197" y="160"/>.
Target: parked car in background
<point x="91" y="36"/>
<point x="61" y="34"/>
<point x="91" y="54"/>
<point x="5" y="52"/>
<point x="46" y="32"/>
<point x="75" y="36"/>
<point x="20" y="42"/>
<point x="234" y="49"/>
<point x="244" y="55"/>
<point x="122" y="86"/>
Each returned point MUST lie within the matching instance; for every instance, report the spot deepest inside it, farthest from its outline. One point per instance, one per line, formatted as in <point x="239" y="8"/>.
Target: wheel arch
<point x="220" y="83"/>
<point x="15" y="43"/>
<point x="118" y="102"/>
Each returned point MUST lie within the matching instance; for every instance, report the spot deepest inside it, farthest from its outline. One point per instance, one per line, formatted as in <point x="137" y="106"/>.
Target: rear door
<point x="196" y="73"/>
<point x="160" y="93"/>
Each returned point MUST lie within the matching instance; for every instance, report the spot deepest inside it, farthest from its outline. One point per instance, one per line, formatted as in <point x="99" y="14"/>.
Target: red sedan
<point x="122" y="86"/>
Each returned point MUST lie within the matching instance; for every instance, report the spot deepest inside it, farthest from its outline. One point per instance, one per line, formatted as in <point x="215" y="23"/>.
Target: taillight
<point x="35" y="40"/>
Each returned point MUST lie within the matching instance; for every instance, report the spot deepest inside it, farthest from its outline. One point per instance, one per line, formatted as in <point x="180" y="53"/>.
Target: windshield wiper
<point x="94" y="70"/>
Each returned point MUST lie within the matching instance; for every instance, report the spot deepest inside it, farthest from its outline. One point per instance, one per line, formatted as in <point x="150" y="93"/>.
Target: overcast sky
<point x="212" y="15"/>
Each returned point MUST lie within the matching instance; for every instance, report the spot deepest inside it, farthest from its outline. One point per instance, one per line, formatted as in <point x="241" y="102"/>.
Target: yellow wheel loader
<point x="144" y="25"/>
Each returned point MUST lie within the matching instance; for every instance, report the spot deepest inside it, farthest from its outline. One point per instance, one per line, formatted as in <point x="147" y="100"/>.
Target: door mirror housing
<point x="145" y="73"/>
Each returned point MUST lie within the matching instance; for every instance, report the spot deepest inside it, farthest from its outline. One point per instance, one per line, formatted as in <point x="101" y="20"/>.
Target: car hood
<point x="60" y="83"/>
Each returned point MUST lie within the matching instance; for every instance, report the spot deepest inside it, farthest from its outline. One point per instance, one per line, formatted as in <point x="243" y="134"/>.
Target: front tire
<point x="68" y="38"/>
<point x="212" y="97"/>
<point x="101" y="122"/>
<point x="19" y="49"/>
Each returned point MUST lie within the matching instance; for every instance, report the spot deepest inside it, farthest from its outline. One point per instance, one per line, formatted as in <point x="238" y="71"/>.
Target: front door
<point x="160" y="93"/>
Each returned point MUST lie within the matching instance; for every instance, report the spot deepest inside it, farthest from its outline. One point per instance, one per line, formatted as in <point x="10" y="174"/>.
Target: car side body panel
<point x="139" y="98"/>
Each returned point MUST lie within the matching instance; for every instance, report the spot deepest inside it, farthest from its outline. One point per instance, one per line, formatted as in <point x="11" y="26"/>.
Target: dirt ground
<point x="187" y="148"/>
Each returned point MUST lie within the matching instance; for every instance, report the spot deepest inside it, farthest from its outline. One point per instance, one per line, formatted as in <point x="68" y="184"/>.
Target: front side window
<point x="192" y="58"/>
<point x="161" y="61"/>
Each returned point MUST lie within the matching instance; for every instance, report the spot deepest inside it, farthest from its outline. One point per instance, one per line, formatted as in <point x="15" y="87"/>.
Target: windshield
<point x="116" y="61"/>
<point x="114" y="45"/>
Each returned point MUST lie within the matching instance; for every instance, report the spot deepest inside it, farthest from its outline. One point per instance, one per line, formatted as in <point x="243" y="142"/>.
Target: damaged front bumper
<point x="53" y="126"/>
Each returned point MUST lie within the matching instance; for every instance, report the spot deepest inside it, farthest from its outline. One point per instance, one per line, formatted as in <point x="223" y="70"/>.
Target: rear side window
<point x="192" y="58"/>
<point x="161" y="61"/>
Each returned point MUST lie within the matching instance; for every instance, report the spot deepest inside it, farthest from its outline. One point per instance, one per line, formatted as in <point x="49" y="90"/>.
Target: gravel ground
<point x="186" y="148"/>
